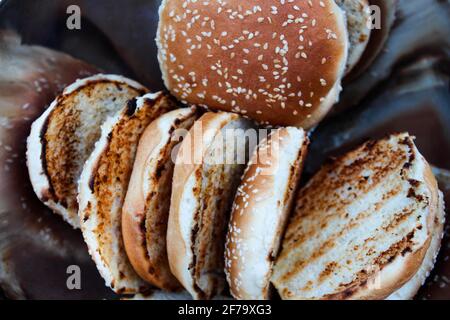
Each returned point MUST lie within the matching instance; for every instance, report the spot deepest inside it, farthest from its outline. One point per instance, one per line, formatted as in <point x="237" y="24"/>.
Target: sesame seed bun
<point x="279" y="63"/>
<point x="103" y="185"/>
<point x="203" y="187"/>
<point x="146" y="208"/>
<point x="260" y="211"/>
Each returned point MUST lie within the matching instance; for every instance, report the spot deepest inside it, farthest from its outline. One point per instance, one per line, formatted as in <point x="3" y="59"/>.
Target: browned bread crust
<point x="146" y="207"/>
<point x="202" y="194"/>
<point x="409" y="289"/>
<point x="362" y="225"/>
<point x="358" y="26"/>
<point x="260" y="211"/>
<point x="103" y="185"/>
<point x="63" y="137"/>
<point x="277" y="63"/>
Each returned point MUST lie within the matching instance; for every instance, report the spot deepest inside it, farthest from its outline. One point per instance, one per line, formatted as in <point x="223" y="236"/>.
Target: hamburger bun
<point x="362" y="226"/>
<point x="260" y="211"/>
<point x="276" y="63"/>
<point x="146" y="208"/>
<point x="410" y="289"/>
<point x="358" y="27"/>
<point x="204" y="183"/>
<point x="103" y="185"/>
<point x="63" y="137"/>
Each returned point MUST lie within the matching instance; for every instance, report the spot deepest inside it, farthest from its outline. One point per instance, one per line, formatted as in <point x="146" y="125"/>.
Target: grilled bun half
<point x="410" y="289"/>
<point x="362" y="226"/>
<point x="358" y="27"/>
<point x="279" y="63"/>
<point x="146" y="207"/>
<point x="206" y="174"/>
<point x="63" y="137"/>
<point x="260" y="211"/>
<point x="103" y="185"/>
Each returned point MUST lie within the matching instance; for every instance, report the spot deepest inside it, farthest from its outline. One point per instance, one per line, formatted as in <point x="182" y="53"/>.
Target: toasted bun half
<point x="207" y="172"/>
<point x="359" y="28"/>
<point x="146" y="207"/>
<point x="63" y="137"/>
<point x="410" y="289"/>
<point x="103" y="185"/>
<point x="362" y="225"/>
<point x="388" y="12"/>
<point x="260" y="211"/>
<point x="279" y="63"/>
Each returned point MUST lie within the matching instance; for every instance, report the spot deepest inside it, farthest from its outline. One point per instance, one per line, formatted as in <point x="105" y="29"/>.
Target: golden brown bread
<point x="260" y="210"/>
<point x="103" y="185"/>
<point x="409" y="289"/>
<point x="279" y="63"/>
<point x="146" y="207"/>
<point x="202" y="194"/>
<point x="361" y="226"/>
<point x="63" y="137"/>
<point x="358" y="26"/>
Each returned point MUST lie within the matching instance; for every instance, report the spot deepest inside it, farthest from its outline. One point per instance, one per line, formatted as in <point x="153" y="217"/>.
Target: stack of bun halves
<point x="196" y="190"/>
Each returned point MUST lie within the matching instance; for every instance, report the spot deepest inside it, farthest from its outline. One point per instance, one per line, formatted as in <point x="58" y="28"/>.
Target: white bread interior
<point x="202" y="194"/>
<point x="103" y="185"/>
<point x="358" y="27"/>
<point x="362" y="225"/>
<point x="146" y="207"/>
<point x="63" y="137"/>
<point x="260" y="211"/>
<point x="410" y="289"/>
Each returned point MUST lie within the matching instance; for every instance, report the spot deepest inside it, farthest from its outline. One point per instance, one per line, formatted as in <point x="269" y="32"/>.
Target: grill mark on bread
<point x="153" y="229"/>
<point x="209" y="262"/>
<point x="398" y="219"/>
<point x="193" y="264"/>
<point x="131" y="107"/>
<point x="295" y="171"/>
<point x="348" y="174"/>
<point x="194" y="232"/>
<point x="329" y="269"/>
<point x="144" y="229"/>
<point x="349" y="289"/>
<point x="400" y="248"/>
<point x="211" y="190"/>
<point x="60" y="178"/>
<point x="109" y="182"/>
<point x="330" y="243"/>
<point x="60" y="139"/>
<point x="300" y="237"/>
<point x="150" y="259"/>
